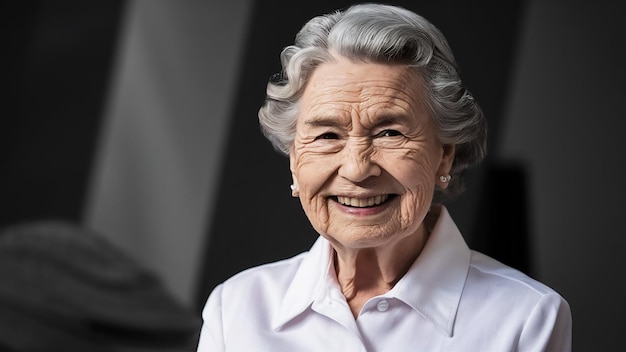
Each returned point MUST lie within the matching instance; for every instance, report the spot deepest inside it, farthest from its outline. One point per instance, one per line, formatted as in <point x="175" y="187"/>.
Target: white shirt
<point x="451" y="299"/>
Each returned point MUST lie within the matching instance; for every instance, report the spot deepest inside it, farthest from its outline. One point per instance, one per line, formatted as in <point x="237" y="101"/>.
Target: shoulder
<point x="258" y="288"/>
<point x="488" y="271"/>
<point x="512" y="291"/>
<point x="493" y="281"/>
<point x="248" y="297"/>
<point x="513" y="304"/>
<point x="276" y="274"/>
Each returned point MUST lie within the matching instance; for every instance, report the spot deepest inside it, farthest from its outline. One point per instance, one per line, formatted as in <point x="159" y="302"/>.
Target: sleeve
<point x="212" y="333"/>
<point x="549" y="326"/>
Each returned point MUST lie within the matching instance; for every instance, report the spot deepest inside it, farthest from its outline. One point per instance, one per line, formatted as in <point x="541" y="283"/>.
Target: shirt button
<point x="382" y="305"/>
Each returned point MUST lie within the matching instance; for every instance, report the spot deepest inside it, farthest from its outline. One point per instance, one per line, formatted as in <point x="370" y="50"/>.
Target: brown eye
<point x="327" y="136"/>
<point x="389" y="133"/>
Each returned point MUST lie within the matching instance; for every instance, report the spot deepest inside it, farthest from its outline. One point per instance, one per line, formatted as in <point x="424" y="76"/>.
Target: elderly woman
<point x="378" y="127"/>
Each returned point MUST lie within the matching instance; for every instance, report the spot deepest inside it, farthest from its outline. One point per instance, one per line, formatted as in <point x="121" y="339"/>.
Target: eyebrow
<point x="322" y="121"/>
<point x="391" y="119"/>
<point x="382" y="120"/>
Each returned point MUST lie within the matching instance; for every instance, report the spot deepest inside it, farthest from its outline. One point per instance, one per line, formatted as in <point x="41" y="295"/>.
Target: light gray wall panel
<point x="164" y="131"/>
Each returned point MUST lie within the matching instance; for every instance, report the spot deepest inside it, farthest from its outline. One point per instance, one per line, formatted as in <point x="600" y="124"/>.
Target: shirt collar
<point x="434" y="283"/>
<point x="308" y="282"/>
<point x="432" y="286"/>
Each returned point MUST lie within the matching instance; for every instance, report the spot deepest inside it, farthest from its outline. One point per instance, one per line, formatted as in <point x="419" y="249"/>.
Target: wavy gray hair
<point x="383" y="34"/>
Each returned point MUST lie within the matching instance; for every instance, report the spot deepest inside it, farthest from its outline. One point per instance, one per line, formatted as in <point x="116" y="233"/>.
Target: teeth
<point x="362" y="202"/>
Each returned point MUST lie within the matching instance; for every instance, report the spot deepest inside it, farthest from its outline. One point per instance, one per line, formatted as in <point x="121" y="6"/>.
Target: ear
<point x="295" y="187"/>
<point x="445" y="165"/>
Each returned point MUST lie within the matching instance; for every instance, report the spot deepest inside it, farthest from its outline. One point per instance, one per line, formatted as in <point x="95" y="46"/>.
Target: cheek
<point x="412" y="168"/>
<point x="415" y="204"/>
<point x="316" y="211"/>
<point x="313" y="173"/>
<point x="415" y="171"/>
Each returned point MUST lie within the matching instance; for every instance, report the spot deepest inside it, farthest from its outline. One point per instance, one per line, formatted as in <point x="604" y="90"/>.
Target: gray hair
<point x="382" y="34"/>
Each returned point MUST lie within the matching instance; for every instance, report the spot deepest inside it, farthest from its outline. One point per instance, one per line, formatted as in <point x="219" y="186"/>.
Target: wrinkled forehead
<point x="344" y="87"/>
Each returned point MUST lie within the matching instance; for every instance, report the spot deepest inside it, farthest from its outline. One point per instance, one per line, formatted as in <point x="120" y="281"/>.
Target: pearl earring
<point x="294" y="190"/>
<point x="445" y="179"/>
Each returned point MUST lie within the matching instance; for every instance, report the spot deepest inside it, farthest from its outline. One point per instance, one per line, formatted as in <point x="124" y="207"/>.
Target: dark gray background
<point x="138" y="118"/>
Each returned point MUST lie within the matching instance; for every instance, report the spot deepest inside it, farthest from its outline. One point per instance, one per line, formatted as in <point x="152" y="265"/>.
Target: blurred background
<point x="136" y="119"/>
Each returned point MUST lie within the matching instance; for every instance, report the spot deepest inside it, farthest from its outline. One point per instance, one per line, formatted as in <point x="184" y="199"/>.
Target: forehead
<point x="345" y="86"/>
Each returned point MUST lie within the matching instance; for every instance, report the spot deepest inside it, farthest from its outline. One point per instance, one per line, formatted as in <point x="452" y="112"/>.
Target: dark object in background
<point x="502" y="226"/>
<point x="64" y="288"/>
<point x="57" y="59"/>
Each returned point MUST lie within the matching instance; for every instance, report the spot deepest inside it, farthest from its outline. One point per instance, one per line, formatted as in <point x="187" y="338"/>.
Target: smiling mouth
<point x="363" y="202"/>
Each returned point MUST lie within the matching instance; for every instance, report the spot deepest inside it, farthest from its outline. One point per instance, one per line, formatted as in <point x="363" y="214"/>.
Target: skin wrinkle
<point x="346" y="145"/>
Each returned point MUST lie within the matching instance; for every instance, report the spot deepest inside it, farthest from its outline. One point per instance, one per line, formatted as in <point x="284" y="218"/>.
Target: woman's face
<point x="366" y="156"/>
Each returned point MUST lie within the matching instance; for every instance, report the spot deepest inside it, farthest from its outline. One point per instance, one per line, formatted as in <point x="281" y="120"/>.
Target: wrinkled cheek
<point x="414" y="205"/>
<point x="316" y="210"/>
<point x="313" y="174"/>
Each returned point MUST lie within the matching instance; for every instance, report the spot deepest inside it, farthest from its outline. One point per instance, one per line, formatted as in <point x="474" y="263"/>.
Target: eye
<point x="389" y="133"/>
<point x="328" y="135"/>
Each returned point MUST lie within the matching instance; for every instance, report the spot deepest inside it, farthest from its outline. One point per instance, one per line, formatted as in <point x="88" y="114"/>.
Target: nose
<point x="356" y="163"/>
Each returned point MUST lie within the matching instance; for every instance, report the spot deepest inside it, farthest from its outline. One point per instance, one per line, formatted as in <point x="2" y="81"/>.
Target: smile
<point x="363" y="202"/>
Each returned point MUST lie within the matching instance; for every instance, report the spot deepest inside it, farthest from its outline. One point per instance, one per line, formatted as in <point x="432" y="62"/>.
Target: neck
<point x="364" y="273"/>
